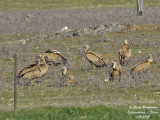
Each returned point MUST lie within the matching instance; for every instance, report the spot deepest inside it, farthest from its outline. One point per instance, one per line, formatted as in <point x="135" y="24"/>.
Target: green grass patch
<point x="73" y="113"/>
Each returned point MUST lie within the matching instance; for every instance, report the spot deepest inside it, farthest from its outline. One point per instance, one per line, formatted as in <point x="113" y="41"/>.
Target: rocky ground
<point x="51" y="21"/>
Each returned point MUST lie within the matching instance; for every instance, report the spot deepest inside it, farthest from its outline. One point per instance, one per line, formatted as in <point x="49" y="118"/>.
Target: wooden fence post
<point x="140" y="7"/>
<point x="15" y="81"/>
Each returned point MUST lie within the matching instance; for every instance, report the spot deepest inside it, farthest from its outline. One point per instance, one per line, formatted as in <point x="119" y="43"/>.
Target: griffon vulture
<point x="115" y="72"/>
<point x="55" y="58"/>
<point x="34" y="71"/>
<point x="124" y="53"/>
<point x="143" y="65"/>
<point x="67" y="75"/>
<point x="94" y="59"/>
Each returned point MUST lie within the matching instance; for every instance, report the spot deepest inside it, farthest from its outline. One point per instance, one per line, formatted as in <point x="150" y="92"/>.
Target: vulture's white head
<point x="114" y="64"/>
<point x="150" y="59"/>
<point x="125" y="42"/>
<point x="40" y="56"/>
<point x="64" y="70"/>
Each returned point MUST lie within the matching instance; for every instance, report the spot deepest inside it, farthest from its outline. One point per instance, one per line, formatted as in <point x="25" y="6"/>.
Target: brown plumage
<point x="94" y="59"/>
<point x="143" y="65"/>
<point x="29" y="68"/>
<point x="55" y="58"/>
<point x="124" y="53"/>
<point x="67" y="75"/>
<point x="115" y="72"/>
<point x="34" y="71"/>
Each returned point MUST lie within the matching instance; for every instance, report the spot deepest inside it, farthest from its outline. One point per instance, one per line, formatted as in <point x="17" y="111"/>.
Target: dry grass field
<point x="91" y="88"/>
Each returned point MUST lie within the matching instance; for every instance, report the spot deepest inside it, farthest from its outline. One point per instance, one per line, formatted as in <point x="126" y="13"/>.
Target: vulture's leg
<point x="120" y="61"/>
<point x="110" y="78"/>
<point x="113" y="78"/>
<point x="126" y="61"/>
<point x="31" y="83"/>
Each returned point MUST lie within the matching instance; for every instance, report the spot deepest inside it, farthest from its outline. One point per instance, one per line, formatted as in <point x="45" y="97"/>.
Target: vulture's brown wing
<point x="31" y="74"/>
<point x="95" y="59"/>
<point x="138" y="68"/>
<point x="60" y="58"/>
<point x="43" y="69"/>
<point x="27" y="69"/>
<point x="51" y="57"/>
<point x="30" y="66"/>
<point x="55" y="58"/>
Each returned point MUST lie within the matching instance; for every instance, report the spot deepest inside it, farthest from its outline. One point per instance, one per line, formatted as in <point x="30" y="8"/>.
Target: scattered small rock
<point x="139" y="52"/>
<point x="29" y="18"/>
<point x="94" y="30"/>
<point x="65" y="28"/>
<point x="106" y="79"/>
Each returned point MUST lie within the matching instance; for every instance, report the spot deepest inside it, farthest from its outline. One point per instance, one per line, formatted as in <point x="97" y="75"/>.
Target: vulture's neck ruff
<point x="114" y="65"/>
<point x="149" y="59"/>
